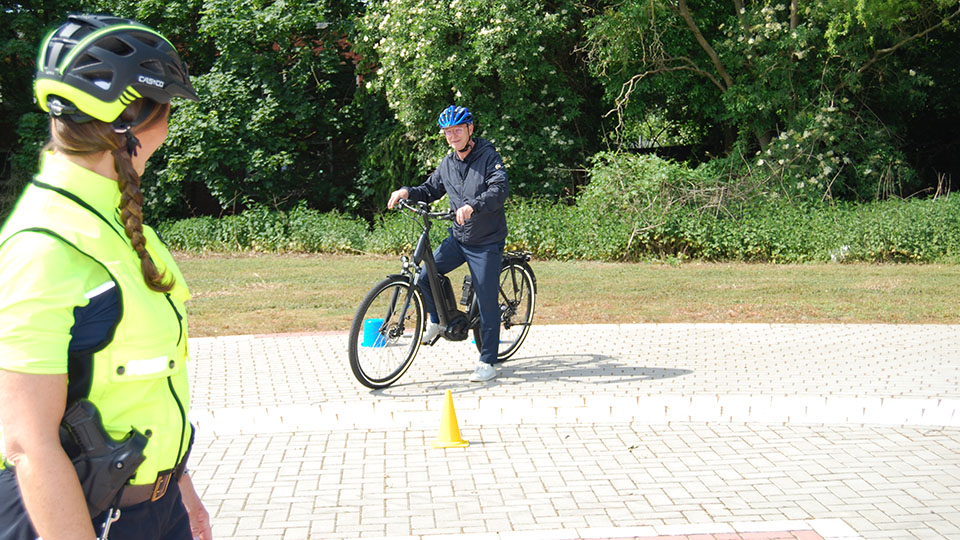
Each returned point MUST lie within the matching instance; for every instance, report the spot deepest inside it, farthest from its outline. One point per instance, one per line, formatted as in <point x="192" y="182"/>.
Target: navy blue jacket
<point x="480" y="181"/>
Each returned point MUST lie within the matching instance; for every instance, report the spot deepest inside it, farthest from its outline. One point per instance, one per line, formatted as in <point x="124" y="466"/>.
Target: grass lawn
<point x="270" y="293"/>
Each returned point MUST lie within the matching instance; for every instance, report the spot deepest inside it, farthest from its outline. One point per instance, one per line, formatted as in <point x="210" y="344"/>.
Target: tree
<point x="513" y="62"/>
<point x="275" y="123"/>
<point x="788" y="89"/>
<point x="22" y="26"/>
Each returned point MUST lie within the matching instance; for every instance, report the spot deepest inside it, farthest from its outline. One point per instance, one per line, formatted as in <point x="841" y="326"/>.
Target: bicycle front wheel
<point x="517" y="302"/>
<point x="385" y="334"/>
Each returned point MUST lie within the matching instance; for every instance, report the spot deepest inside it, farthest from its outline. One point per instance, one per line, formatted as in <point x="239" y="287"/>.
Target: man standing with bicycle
<point x="474" y="178"/>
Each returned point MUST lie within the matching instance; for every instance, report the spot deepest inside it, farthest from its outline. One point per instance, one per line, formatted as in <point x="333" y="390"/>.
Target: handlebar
<point x="423" y="209"/>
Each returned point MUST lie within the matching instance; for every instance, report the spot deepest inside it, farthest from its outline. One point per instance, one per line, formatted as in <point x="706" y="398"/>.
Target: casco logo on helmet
<point x="150" y="80"/>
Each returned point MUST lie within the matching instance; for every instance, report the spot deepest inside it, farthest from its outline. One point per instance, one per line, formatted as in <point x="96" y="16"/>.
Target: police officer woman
<point x="91" y="302"/>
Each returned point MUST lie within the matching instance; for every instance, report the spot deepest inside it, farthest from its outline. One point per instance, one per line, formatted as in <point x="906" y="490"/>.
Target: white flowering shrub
<point x="828" y="152"/>
<point x="800" y="87"/>
<point x="509" y="61"/>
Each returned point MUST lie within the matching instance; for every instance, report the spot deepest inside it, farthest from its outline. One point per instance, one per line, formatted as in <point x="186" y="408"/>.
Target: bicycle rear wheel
<point x="385" y="334"/>
<point x="517" y="302"/>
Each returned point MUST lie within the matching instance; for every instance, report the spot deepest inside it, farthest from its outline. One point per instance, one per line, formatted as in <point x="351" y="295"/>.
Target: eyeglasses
<point x="454" y="131"/>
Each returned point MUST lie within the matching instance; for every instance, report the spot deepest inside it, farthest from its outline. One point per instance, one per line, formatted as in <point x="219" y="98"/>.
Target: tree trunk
<point x="714" y="57"/>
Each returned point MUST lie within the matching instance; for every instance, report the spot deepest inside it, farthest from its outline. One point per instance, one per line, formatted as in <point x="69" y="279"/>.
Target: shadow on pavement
<point x="588" y="368"/>
<point x="579" y="368"/>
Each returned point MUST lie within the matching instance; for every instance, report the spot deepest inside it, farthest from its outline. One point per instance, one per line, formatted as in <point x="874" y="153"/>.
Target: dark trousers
<point x="484" y="263"/>
<point x="165" y="519"/>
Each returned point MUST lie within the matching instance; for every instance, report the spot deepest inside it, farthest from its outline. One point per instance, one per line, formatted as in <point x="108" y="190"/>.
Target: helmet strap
<point x="466" y="146"/>
<point x="132" y="143"/>
<point x="130" y="139"/>
<point x="126" y="128"/>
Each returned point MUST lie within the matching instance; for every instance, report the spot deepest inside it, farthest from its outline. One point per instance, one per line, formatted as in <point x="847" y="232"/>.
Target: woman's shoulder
<point x="36" y="257"/>
<point x="42" y="281"/>
<point x="34" y="243"/>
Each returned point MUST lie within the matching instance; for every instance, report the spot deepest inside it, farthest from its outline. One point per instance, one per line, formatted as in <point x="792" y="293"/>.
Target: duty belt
<point x="137" y="494"/>
<point x="152" y="492"/>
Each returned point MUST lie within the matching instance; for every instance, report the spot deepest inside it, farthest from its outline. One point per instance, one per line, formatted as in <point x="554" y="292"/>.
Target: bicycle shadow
<point x="575" y="368"/>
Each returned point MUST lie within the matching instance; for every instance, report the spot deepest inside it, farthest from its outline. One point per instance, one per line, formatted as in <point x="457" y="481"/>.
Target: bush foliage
<point x="830" y="99"/>
<point x="334" y="102"/>
<point x="920" y="231"/>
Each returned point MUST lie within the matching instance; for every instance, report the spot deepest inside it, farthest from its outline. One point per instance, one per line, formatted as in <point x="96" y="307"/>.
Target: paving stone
<point x="606" y="426"/>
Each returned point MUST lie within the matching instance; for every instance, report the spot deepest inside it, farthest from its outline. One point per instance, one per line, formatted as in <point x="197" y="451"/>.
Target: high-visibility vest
<point x="139" y="378"/>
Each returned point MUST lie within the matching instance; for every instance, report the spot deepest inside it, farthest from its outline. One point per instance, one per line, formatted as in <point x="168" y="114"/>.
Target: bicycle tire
<point x="517" y="304"/>
<point x="381" y="353"/>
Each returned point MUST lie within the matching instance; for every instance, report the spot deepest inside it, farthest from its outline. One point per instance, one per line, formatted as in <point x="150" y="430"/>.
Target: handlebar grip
<point x="416" y="206"/>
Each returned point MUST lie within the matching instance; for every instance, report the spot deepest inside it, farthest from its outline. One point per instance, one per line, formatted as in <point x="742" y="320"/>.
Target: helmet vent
<point x="102" y="79"/>
<point x="149" y="39"/>
<point x="178" y="74"/>
<point x="115" y="46"/>
<point x="153" y="66"/>
<point x="85" y="61"/>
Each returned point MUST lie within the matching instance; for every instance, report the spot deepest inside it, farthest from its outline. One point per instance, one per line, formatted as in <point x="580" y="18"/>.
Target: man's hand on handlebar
<point x="396" y="196"/>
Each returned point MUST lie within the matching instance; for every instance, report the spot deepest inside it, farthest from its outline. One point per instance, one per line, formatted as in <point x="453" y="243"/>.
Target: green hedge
<point x="890" y="231"/>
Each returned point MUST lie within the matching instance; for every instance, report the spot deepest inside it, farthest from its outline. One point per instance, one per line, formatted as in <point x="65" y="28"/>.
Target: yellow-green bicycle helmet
<point x="93" y="66"/>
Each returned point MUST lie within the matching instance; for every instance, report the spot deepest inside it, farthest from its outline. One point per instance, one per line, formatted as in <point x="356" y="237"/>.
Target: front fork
<point x="409" y="274"/>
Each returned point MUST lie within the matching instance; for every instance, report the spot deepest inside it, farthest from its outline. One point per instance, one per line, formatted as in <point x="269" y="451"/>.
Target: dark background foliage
<point x="329" y="105"/>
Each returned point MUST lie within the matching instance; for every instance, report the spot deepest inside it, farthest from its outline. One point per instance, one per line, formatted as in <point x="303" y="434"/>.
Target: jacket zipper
<point x="183" y="418"/>
<point x="179" y="317"/>
<point x="173" y="392"/>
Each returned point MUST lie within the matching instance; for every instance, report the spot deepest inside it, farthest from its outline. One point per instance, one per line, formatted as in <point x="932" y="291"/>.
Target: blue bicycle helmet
<point x="454" y="116"/>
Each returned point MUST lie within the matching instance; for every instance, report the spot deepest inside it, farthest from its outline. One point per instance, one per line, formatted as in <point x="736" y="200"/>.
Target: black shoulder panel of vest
<point x="94" y="324"/>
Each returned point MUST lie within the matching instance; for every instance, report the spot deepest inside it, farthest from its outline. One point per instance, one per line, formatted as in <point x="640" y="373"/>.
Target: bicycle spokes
<point x="385" y="335"/>
<point x="516" y="308"/>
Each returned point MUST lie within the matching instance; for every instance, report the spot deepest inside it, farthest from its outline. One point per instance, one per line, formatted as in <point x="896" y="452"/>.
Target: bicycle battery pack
<point x="449" y="301"/>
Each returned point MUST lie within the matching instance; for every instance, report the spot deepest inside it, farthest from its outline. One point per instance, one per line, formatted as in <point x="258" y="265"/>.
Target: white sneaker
<point x="483" y="372"/>
<point x="433" y="330"/>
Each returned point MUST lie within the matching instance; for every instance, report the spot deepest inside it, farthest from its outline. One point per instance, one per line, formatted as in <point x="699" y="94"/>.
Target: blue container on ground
<point x="371" y="333"/>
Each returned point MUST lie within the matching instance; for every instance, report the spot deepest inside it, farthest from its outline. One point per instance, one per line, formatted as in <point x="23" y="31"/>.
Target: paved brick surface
<point x="606" y="431"/>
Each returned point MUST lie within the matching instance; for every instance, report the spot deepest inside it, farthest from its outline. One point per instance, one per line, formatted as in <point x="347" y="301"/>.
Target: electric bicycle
<point x="391" y="319"/>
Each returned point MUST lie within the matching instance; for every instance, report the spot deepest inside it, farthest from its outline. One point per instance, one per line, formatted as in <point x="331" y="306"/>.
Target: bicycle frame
<point x="456" y="323"/>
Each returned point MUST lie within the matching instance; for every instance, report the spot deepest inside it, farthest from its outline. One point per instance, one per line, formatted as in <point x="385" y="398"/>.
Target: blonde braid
<point x="131" y="212"/>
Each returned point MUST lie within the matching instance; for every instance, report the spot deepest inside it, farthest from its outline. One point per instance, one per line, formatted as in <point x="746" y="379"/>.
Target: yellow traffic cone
<point x="449" y="436"/>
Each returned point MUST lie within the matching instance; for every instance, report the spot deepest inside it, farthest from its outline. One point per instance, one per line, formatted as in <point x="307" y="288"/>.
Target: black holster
<point x="104" y="465"/>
